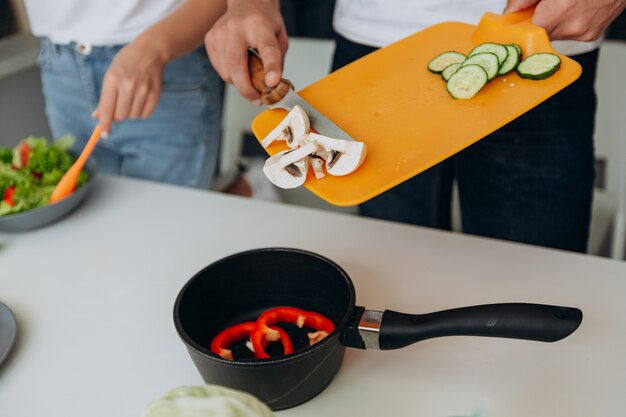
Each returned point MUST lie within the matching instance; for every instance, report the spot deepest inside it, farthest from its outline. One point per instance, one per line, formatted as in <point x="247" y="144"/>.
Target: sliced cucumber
<point x="449" y="70"/>
<point x="467" y="81"/>
<point x="539" y="66"/>
<point x="487" y="60"/>
<point x="495" y="48"/>
<point x="441" y="61"/>
<point x="519" y="49"/>
<point x="511" y="61"/>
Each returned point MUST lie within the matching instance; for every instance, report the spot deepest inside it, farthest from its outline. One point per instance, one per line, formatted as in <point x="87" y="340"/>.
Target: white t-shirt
<point x="381" y="22"/>
<point x="97" y="22"/>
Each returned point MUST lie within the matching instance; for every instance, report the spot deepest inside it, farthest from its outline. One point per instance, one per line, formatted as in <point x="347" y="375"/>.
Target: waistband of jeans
<point x="82" y="48"/>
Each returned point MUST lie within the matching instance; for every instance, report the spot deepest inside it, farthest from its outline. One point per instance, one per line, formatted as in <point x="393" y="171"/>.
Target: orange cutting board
<point x="389" y="100"/>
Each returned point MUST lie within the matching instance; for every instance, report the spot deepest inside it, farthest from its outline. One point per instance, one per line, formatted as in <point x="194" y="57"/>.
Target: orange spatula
<point x="67" y="183"/>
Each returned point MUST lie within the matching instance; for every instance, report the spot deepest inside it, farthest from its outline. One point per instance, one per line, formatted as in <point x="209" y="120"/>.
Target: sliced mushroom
<point x="291" y="129"/>
<point x="227" y="354"/>
<point x="288" y="169"/>
<point x="342" y="156"/>
<point x="315" y="337"/>
<point x="317" y="163"/>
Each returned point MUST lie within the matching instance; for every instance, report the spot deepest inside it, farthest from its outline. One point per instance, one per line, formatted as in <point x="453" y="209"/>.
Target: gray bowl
<point x="8" y="331"/>
<point x="32" y="219"/>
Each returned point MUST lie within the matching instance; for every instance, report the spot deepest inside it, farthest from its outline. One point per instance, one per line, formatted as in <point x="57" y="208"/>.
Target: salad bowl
<point x="41" y="216"/>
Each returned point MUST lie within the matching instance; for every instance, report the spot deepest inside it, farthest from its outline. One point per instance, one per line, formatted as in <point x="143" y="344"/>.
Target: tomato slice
<point x="8" y="196"/>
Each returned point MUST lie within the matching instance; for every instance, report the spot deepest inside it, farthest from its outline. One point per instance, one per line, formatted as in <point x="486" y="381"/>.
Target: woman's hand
<point x="248" y="24"/>
<point x="582" y="20"/>
<point x="131" y="86"/>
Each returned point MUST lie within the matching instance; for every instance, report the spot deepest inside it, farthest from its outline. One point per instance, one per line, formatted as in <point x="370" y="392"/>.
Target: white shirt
<point x="97" y="22"/>
<point x="381" y="22"/>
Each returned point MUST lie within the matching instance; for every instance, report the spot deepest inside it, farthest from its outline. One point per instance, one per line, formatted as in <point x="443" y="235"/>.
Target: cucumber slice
<point x="511" y="61"/>
<point x="467" y="81"/>
<point x="487" y="60"/>
<point x="449" y="70"/>
<point x="441" y="61"/>
<point x="519" y="49"/>
<point x="539" y="66"/>
<point x="495" y="48"/>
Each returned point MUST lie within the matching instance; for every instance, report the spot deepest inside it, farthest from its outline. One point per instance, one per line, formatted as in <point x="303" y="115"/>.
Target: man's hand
<point x="131" y="86"/>
<point x="582" y="20"/>
<point x="248" y="24"/>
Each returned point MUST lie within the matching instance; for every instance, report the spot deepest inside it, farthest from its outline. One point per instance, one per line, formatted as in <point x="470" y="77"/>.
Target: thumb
<point x="517" y="5"/>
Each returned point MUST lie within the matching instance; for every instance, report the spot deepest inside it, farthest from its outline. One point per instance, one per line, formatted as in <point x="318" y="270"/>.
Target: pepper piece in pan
<point x="226" y="338"/>
<point x="265" y="331"/>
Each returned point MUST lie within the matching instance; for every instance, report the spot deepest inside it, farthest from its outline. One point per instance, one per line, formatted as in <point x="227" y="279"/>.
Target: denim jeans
<point x="178" y="144"/>
<point x="531" y="181"/>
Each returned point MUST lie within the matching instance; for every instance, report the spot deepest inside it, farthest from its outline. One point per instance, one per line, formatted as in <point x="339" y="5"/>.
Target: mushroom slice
<point x="317" y="163"/>
<point x="343" y="156"/>
<point x="291" y="129"/>
<point x="288" y="169"/>
<point x="315" y="337"/>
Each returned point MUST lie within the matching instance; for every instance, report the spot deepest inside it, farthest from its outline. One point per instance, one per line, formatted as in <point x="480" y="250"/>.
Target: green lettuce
<point x="35" y="180"/>
<point x="207" y="401"/>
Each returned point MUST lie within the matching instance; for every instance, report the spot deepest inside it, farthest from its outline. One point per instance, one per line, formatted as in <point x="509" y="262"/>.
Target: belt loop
<point x="50" y="46"/>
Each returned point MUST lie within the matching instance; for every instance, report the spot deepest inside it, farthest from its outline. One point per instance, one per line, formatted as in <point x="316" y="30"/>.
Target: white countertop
<point x="93" y="296"/>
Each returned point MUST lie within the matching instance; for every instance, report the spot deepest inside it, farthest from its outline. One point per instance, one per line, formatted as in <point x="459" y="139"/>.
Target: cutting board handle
<point x="518" y="17"/>
<point x="513" y="28"/>
<point x="269" y="95"/>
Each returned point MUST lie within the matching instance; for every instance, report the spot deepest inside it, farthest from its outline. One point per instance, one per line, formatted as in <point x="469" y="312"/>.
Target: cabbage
<point x="207" y="401"/>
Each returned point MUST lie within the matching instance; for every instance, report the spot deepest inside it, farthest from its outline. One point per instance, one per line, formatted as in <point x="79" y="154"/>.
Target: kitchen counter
<point x="93" y="295"/>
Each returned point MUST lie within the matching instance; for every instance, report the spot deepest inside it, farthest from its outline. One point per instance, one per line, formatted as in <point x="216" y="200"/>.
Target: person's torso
<point x="380" y="22"/>
<point x="95" y="22"/>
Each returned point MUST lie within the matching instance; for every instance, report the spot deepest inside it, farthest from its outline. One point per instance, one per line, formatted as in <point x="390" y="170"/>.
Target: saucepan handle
<point x="539" y="322"/>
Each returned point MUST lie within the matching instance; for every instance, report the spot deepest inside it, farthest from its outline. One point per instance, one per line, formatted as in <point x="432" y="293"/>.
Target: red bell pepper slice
<point x="25" y="151"/>
<point x="265" y="331"/>
<point x="8" y="196"/>
<point x="226" y="338"/>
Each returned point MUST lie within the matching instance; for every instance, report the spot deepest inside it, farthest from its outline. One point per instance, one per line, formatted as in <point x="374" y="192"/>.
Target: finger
<point x="283" y="41"/>
<point x="150" y="105"/>
<point x="215" y="55"/>
<point x="138" y="103"/>
<point x="106" y="106"/>
<point x="272" y="57"/>
<point x="544" y="17"/>
<point x="124" y="99"/>
<point x="513" y="6"/>
<point x="236" y="60"/>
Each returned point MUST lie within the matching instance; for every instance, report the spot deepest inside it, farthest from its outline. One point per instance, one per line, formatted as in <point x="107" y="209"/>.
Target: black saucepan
<point x="238" y="288"/>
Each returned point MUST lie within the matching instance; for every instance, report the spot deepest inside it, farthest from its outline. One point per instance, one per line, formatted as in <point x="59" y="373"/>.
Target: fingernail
<point x="257" y="102"/>
<point x="104" y="134"/>
<point x="93" y="115"/>
<point x="272" y="76"/>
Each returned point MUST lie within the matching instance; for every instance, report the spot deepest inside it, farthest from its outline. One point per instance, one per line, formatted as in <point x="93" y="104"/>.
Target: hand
<point x="248" y="24"/>
<point x="571" y="19"/>
<point x="131" y="86"/>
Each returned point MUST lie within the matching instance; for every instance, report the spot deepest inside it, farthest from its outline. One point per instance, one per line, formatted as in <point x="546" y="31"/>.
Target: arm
<point x="571" y="19"/>
<point x="248" y="24"/>
<point x="132" y="84"/>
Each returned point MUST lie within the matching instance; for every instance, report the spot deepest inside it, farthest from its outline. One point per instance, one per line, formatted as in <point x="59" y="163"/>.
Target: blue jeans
<point x="530" y="181"/>
<point x="178" y="144"/>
